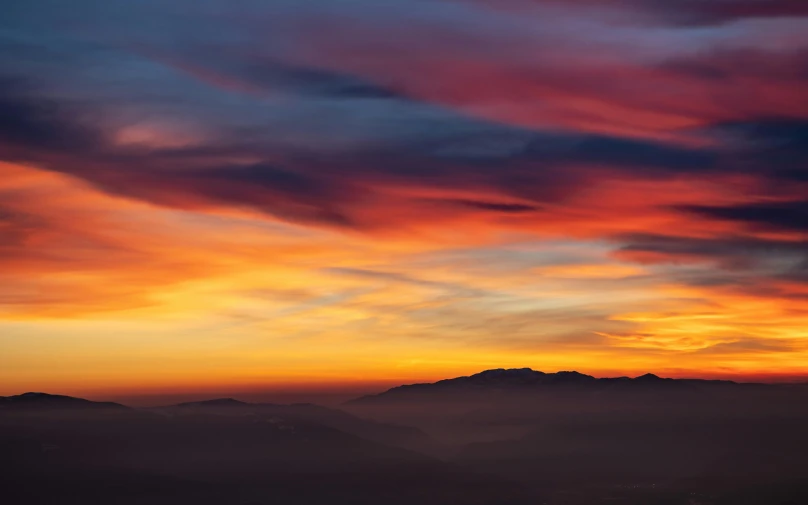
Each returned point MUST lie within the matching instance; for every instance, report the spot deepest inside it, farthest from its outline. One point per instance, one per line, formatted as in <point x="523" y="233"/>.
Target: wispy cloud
<point x="571" y="183"/>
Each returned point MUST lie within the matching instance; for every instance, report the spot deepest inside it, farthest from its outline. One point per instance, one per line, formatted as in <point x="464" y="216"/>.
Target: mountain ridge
<point x="37" y="400"/>
<point x="526" y="378"/>
<point x="491" y="378"/>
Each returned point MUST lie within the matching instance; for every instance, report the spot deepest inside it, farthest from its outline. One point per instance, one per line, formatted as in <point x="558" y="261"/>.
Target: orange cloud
<point x="398" y="196"/>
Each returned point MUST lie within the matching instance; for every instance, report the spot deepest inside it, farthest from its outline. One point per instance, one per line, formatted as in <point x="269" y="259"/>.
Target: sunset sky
<point x="204" y="196"/>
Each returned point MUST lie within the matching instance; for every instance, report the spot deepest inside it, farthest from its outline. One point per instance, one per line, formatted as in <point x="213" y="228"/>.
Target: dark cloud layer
<point x="710" y="12"/>
<point x="508" y="208"/>
<point x="288" y="128"/>
<point x="31" y="122"/>
<point x="732" y="252"/>
<point x="790" y="215"/>
<point x="574" y="181"/>
<point x="722" y="11"/>
<point x="302" y="185"/>
<point x="681" y="12"/>
<point x="454" y="152"/>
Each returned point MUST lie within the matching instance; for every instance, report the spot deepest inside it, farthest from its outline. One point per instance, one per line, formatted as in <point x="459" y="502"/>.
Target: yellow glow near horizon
<point x="108" y="295"/>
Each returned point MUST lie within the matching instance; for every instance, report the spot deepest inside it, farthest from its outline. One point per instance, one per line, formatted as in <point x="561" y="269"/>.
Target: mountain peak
<point x="568" y="377"/>
<point x="648" y="377"/>
<point x="522" y="380"/>
<point x="216" y="402"/>
<point x="38" y="400"/>
<point x="503" y="377"/>
<point x="571" y="373"/>
<point x="509" y="372"/>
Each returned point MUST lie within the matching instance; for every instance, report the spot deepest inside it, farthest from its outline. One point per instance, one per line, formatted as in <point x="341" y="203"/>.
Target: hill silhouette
<point x="199" y="453"/>
<point x="499" y="437"/>
<point x="45" y="401"/>
<point x="386" y="433"/>
<point x="523" y="380"/>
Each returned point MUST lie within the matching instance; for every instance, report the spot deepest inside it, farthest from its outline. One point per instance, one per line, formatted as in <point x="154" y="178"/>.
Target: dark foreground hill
<point x="385" y="433"/>
<point x="522" y="381"/>
<point x="48" y="402"/>
<point x="500" y="437"/>
<point x="501" y="403"/>
<point x="199" y="455"/>
<point x="582" y="439"/>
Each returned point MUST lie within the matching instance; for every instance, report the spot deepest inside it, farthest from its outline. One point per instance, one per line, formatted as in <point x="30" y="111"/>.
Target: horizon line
<point x="355" y="389"/>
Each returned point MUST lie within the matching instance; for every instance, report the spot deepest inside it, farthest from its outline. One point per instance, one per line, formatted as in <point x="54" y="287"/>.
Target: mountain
<point x="27" y="402"/>
<point x="384" y="433"/>
<point x="194" y="454"/>
<point x="507" y="404"/>
<point x="584" y="440"/>
<point x="521" y="380"/>
<point x="508" y="437"/>
<point x="608" y="451"/>
<point x="217" y="402"/>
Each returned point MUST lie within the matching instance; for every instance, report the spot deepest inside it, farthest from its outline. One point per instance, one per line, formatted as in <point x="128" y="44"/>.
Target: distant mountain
<point x="217" y="402"/>
<point x="44" y="401"/>
<point x="510" y="437"/>
<point x="520" y="380"/>
<point x="385" y="433"/>
<point x="273" y="434"/>
<point x="222" y="451"/>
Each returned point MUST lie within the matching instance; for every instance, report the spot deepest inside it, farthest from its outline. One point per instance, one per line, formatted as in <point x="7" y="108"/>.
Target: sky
<point x="202" y="196"/>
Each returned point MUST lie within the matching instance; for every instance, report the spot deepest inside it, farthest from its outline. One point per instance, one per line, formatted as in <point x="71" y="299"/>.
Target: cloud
<point x="722" y="11"/>
<point x="266" y="75"/>
<point x="681" y="13"/>
<point x="790" y="215"/>
<point x="733" y="252"/>
<point x="745" y="346"/>
<point x="404" y="142"/>
<point x="29" y="122"/>
<point x="507" y="208"/>
<point x="396" y="278"/>
<point x="512" y="176"/>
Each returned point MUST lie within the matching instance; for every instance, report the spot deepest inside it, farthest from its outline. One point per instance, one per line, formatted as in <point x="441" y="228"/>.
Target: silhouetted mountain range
<point x="220" y="451"/>
<point x="385" y="433"/>
<point x="216" y="402"/>
<point x="524" y="379"/>
<point x="499" y="437"/>
<point x="46" y="401"/>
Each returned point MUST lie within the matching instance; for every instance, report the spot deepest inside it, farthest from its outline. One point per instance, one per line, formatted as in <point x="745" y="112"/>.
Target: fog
<point x="499" y="437"/>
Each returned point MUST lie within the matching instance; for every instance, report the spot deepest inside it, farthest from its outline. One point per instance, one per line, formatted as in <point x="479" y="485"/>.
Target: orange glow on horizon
<point x="364" y="195"/>
<point x="155" y="300"/>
